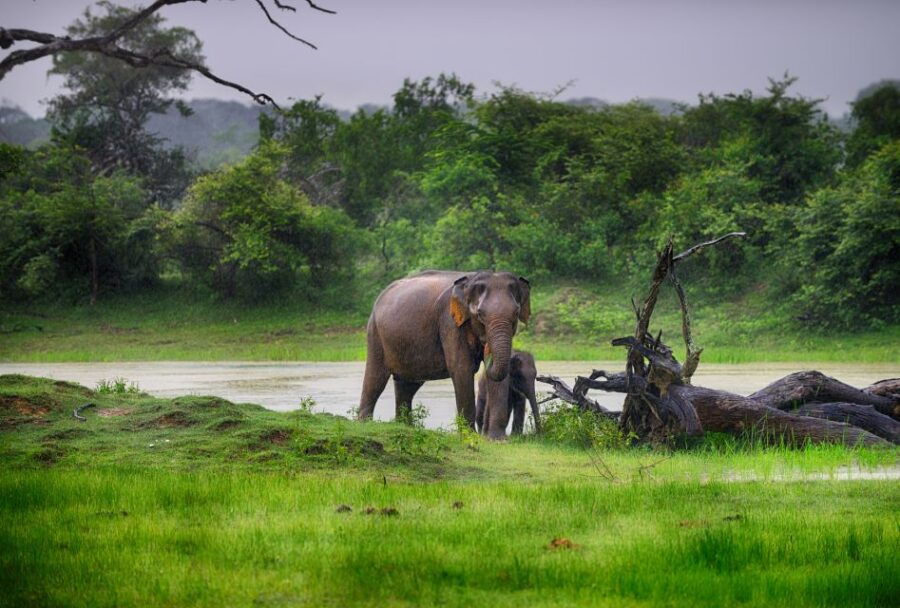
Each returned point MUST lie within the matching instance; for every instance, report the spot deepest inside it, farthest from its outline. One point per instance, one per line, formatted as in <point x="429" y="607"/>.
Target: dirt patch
<point x="172" y="420"/>
<point x="367" y="447"/>
<point x="66" y="434"/>
<point x="226" y="425"/>
<point x="562" y="543"/>
<point x="287" y="331"/>
<point x="23" y="407"/>
<point x="49" y="455"/>
<point x="276" y="436"/>
<point x="114" y="411"/>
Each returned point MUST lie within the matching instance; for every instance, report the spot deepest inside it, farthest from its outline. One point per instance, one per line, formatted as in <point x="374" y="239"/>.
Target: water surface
<point x="336" y="386"/>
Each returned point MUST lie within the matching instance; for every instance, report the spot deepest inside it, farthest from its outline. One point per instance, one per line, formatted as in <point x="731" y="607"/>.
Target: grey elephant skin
<point x="442" y="324"/>
<point x="496" y="401"/>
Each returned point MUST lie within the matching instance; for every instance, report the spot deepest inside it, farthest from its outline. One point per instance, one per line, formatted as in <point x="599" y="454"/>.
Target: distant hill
<point x="17" y="127"/>
<point x="216" y="132"/>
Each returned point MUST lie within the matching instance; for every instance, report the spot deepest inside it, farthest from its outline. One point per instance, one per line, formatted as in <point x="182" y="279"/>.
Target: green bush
<point x="245" y="231"/>
<point x="846" y="258"/>
<point x="565" y="423"/>
<point x="64" y="227"/>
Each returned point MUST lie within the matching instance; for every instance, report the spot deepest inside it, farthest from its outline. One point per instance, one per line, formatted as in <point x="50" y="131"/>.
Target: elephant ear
<point x="458" y="309"/>
<point x="525" y="303"/>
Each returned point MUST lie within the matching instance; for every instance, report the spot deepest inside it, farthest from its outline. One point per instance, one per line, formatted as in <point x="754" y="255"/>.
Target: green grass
<point x="570" y="322"/>
<point x="198" y="501"/>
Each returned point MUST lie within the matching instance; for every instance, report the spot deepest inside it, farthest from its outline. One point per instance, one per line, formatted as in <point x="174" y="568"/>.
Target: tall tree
<point x="876" y="113"/>
<point x="109" y="103"/>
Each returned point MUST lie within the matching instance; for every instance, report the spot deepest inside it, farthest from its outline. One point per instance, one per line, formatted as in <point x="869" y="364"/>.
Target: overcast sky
<point x="613" y="50"/>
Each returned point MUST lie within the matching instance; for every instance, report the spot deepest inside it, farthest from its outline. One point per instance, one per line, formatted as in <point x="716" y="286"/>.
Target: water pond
<point x="335" y="386"/>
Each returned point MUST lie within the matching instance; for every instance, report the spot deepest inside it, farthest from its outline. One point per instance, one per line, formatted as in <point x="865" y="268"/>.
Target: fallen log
<point x="886" y="388"/>
<point x="865" y="417"/>
<point x="725" y="412"/>
<point x="795" y="389"/>
<point x="728" y="413"/>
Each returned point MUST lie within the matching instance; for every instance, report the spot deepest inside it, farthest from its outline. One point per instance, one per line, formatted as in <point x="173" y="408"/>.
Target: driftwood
<point x="887" y="388"/>
<point x="863" y="416"/>
<point x="725" y="412"/>
<point x="796" y="389"/>
<point x="661" y="403"/>
<point x="579" y="397"/>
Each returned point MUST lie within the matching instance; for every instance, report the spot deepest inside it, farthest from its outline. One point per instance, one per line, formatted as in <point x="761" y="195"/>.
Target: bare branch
<point x="50" y="44"/>
<point x="316" y="7"/>
<point x="281" y="27"/>
<point x="692" y="356"/>
<point x="706" y="244"/>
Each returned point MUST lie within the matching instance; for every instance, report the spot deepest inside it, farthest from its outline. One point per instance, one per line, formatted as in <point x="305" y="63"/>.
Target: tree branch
<point x="50" y="44"/>
<point x="706" y="244"/>
<point x="265" y="11"/>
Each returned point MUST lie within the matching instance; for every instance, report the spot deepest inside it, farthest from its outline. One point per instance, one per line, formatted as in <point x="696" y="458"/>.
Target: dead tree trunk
<point x="661" y="403"/>
<point x="798" y="388"/>
<point x="863" y="416"/>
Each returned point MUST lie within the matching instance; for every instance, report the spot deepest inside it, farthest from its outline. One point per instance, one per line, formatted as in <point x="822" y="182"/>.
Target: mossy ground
<point x="198" y="501"/>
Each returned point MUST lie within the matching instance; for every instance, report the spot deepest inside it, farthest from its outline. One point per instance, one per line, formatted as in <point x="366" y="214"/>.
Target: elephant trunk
<point x="499" y="339"/>
<point x="535" y="412"/>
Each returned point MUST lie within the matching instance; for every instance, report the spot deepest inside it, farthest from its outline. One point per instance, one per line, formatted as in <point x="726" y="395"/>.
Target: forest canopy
<point x="452" y="177"/>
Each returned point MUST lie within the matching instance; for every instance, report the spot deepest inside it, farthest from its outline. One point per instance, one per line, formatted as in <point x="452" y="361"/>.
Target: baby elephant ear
<point x="458" y="309"/>
<point x="525" y="302"/>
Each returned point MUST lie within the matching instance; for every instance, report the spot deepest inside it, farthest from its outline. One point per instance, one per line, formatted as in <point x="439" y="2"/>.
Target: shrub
<point x="245" y="230"/>
<point x="848" y="248"/>
<point x="565" y="423"/>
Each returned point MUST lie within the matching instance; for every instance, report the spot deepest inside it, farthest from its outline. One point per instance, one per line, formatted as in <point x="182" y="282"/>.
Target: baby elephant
<point x="511" y="394"/>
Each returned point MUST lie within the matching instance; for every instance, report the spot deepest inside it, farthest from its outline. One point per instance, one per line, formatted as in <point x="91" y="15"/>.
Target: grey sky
<point x="613" y="50"/>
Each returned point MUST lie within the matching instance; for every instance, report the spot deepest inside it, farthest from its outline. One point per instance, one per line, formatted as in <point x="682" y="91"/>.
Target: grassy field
<point x="198" y="501"/>
<point x="569" y="323"/>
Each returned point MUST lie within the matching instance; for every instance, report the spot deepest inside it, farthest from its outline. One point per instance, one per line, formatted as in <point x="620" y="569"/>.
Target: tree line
<point x="449" y="177"/>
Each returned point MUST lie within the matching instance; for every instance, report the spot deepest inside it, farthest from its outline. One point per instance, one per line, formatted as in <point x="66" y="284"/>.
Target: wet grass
<point x="570" y="322"/>
<point x="199" y="501"/>
<point x="134" y="538"/>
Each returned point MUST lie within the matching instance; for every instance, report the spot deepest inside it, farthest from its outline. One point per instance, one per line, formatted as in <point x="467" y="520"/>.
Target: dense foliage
<point x="247" y="231"/>
<point x="450" y="178"/>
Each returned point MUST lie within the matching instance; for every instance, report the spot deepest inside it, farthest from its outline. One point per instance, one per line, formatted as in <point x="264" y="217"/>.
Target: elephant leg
<point x="374" y="379"/>
<point x="517" y="406"/>
<point x="479" y="411"/>
<point x="464" y="387"/>
<point x="404" y="391"/>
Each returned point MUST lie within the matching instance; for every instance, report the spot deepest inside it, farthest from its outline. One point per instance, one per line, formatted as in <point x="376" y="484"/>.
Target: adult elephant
<point x="440" y="324"/>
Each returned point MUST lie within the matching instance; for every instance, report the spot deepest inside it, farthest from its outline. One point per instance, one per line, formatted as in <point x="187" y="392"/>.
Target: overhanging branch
<point x="50" y="44"/>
